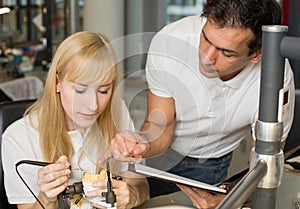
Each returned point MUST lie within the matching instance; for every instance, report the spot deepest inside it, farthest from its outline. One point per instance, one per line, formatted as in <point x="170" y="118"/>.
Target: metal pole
<point x="294" y="30"/>
<point x="267" y="159"/>
<point x="242" y="191"/>
<point x="48" y="33"/>
<point x="290" y="47"/>
<point x="269" y="126"/>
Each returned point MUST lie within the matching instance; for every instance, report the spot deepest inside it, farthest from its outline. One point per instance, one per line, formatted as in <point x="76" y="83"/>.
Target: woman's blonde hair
<point x="83" y="56"/>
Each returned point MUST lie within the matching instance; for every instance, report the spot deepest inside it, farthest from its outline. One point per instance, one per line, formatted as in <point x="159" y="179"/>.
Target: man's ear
<point x="256" y="57"/>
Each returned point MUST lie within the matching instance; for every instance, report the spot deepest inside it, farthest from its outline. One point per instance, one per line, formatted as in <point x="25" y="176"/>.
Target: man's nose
<point x="211" y="54"/>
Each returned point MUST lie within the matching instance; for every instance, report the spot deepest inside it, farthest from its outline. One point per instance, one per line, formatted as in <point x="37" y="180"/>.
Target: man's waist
<point x="224" y="158"/>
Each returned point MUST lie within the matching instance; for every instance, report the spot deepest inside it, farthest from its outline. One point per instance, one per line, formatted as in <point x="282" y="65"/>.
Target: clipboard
<point x="166" y="176"/>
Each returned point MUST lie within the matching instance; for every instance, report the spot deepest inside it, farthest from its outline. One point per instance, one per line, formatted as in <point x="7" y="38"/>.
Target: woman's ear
<point x="256" y="57"/>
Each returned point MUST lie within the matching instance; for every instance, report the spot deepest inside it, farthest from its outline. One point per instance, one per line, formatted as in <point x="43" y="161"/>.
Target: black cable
<point x="295" y="165"/>
<point x="30" y="162"/>
<point x="110" y="195"/>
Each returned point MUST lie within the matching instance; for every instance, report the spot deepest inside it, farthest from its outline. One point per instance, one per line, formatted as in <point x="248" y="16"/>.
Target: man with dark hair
<point x="204" y="76"/>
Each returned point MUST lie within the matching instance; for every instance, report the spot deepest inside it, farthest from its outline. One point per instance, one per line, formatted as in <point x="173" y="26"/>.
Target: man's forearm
<point x="159" y="138"/>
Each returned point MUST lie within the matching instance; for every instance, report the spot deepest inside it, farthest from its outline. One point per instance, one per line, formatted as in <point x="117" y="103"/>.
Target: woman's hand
<point x="121" y="188"/>
<point x="53" y="179"/>
<point x="202" y="199"/>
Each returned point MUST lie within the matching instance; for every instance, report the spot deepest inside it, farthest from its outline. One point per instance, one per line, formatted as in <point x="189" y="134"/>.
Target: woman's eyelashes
<point x="78" y="91"/>
<point x="101" y="90"/>
<point x="105" y="90"/>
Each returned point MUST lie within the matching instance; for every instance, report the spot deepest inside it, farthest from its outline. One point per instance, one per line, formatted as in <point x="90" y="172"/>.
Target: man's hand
<point x="202" y="199"/>
<point x="129" y="144"/>
<point x="126" y="146"/>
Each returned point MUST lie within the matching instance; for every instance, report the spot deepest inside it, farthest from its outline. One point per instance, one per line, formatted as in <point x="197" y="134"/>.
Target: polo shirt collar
<point x="239" y="79"/>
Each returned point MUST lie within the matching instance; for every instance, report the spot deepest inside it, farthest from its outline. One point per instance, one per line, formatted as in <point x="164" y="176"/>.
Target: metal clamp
<point x="269" y="132"/>
<point x="275" y="165"/>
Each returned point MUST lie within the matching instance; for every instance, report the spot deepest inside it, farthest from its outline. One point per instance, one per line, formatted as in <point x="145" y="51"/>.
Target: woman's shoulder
<point x="16" y="125"/>
<point x="19" y="127"/>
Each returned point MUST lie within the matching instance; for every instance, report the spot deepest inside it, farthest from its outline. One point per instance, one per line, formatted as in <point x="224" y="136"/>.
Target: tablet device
<point x="166" y="176"/>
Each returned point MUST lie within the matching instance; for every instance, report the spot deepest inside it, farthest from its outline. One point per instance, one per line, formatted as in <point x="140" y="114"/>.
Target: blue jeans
<point x="210" y="171"/>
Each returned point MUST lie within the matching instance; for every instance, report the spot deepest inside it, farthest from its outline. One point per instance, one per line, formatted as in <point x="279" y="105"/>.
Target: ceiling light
<point x="4" y="10"/>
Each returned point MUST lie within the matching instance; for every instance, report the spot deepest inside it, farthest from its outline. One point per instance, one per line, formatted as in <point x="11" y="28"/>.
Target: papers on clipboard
<point x="163" y="175"/>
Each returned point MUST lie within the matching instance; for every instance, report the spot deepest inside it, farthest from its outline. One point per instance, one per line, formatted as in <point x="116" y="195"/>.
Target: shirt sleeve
<point x="16" y="146"/>
<point x="156" y="67"/>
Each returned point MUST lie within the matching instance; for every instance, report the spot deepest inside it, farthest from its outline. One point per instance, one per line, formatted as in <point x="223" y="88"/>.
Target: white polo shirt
<point x="212" y="116"/>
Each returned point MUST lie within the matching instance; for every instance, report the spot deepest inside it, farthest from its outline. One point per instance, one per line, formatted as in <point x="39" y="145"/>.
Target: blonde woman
<point x="70" y="125"/>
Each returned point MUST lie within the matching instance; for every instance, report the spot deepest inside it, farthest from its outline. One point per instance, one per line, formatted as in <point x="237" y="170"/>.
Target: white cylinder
<point x="108" y="18"/>
<point x="104" y="16"/>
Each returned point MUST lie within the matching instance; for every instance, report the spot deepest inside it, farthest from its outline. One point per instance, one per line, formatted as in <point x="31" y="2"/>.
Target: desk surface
<point x="24" y="88"/>
<point x="5" y="74"/>
<point x="30" y="86"/>
<point x="290" y="185"/>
